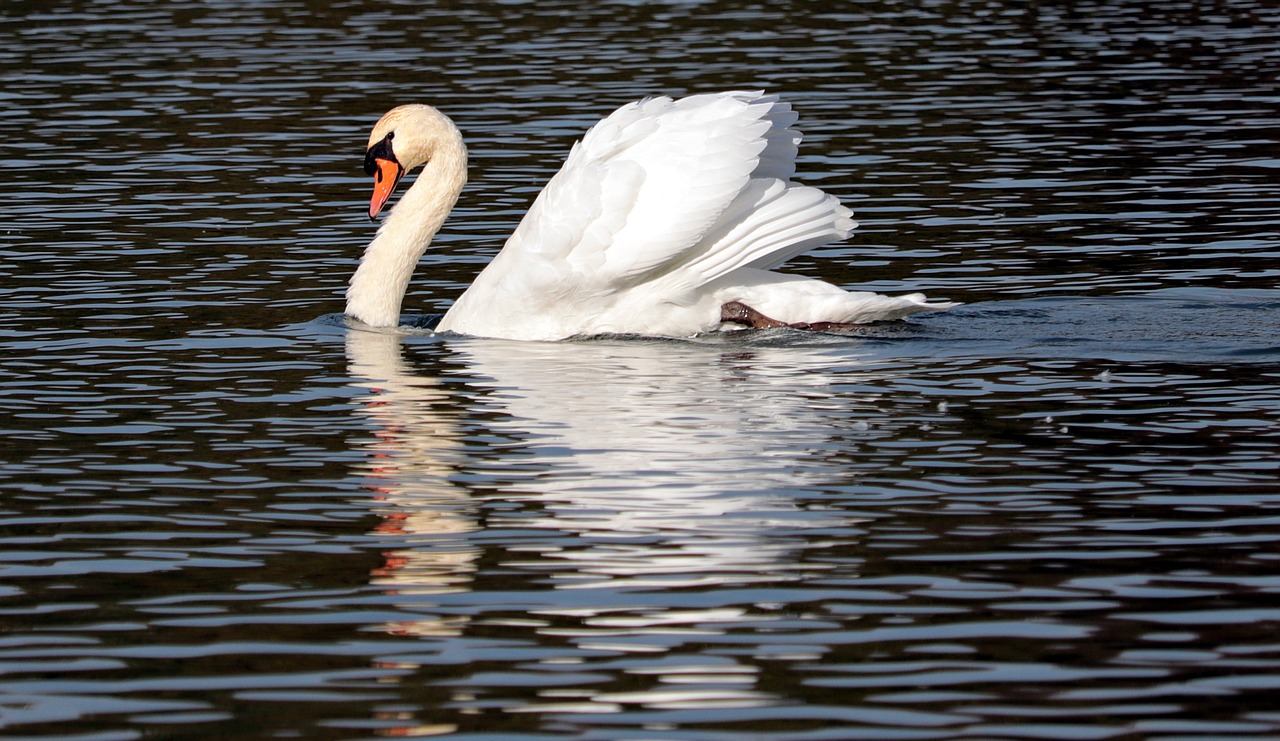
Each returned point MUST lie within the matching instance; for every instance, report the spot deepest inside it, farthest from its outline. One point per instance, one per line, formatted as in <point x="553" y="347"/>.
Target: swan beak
<point x="385" y="178"/>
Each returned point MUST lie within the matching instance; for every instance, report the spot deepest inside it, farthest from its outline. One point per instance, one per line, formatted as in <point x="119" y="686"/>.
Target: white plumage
<point x="663" y="213"/>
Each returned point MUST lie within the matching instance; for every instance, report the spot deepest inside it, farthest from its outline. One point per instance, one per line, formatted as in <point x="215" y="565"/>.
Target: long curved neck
<point x="378" y="286"/>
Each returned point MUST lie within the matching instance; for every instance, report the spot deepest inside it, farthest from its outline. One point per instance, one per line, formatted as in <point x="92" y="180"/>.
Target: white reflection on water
<point x="650" y="465"/>
<point x="669" y="463"/>
<point x="414" y="450"/>
<point x="676" y="462"/>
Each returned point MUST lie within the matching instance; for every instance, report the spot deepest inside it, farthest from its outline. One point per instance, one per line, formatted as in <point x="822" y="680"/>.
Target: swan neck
<point x="378" y="286"/>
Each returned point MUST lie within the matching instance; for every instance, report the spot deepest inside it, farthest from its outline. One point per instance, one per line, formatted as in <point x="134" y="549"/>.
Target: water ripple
<point x="1044" y="514"/>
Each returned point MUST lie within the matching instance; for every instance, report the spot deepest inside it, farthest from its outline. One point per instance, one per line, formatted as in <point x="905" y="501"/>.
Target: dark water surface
<point x="1049" y="514"/>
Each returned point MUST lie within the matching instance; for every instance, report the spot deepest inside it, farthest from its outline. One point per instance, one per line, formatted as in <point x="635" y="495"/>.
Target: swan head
<point x="404" y="138"/>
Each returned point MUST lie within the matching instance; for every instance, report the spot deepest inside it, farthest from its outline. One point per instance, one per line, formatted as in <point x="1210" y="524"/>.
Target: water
<point x="1047" y="514"/>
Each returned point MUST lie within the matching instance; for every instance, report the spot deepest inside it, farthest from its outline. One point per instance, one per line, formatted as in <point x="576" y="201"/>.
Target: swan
<point x="666" y="219"/>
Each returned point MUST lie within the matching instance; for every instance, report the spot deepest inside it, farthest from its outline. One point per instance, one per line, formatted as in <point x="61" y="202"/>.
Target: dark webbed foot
<point x="736" y="312"/>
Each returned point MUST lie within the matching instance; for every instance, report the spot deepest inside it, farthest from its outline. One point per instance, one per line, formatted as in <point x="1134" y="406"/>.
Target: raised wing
<point x="691" y="188"/>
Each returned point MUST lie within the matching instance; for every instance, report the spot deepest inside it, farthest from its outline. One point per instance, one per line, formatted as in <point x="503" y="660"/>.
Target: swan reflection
<point x="626" y="418"/>
<point x="668" y="462"/>
<point x="415" y="449"/>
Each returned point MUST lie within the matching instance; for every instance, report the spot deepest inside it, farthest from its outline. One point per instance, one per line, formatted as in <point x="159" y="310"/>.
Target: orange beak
<point x="385" y="179"/>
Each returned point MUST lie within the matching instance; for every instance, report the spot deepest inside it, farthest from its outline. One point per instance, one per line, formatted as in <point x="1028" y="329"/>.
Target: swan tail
<point x="793" y="299"/>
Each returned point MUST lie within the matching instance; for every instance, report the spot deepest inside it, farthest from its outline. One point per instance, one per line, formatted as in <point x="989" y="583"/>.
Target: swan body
<point x="662" y="215"/>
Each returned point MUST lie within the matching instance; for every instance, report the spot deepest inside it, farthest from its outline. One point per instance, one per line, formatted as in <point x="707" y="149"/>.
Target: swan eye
<point x="381" y="150"/>
<point x="391" y="135"/>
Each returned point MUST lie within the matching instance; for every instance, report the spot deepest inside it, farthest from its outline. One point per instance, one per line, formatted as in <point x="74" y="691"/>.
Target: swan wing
<point x="663" y="186"/>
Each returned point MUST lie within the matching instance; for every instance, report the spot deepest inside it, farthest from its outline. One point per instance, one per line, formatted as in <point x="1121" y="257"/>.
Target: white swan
<point x="666" y="219"/>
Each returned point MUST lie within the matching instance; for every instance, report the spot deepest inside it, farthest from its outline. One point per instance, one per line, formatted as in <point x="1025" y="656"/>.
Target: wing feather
<point x="648" y="188"/>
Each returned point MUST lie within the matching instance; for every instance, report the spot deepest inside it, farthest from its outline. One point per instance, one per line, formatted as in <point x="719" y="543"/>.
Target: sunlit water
<point x="1049" y="513"/>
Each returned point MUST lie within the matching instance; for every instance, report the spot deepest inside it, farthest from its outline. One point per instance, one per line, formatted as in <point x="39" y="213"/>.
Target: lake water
<point x="1051" y="513"/>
